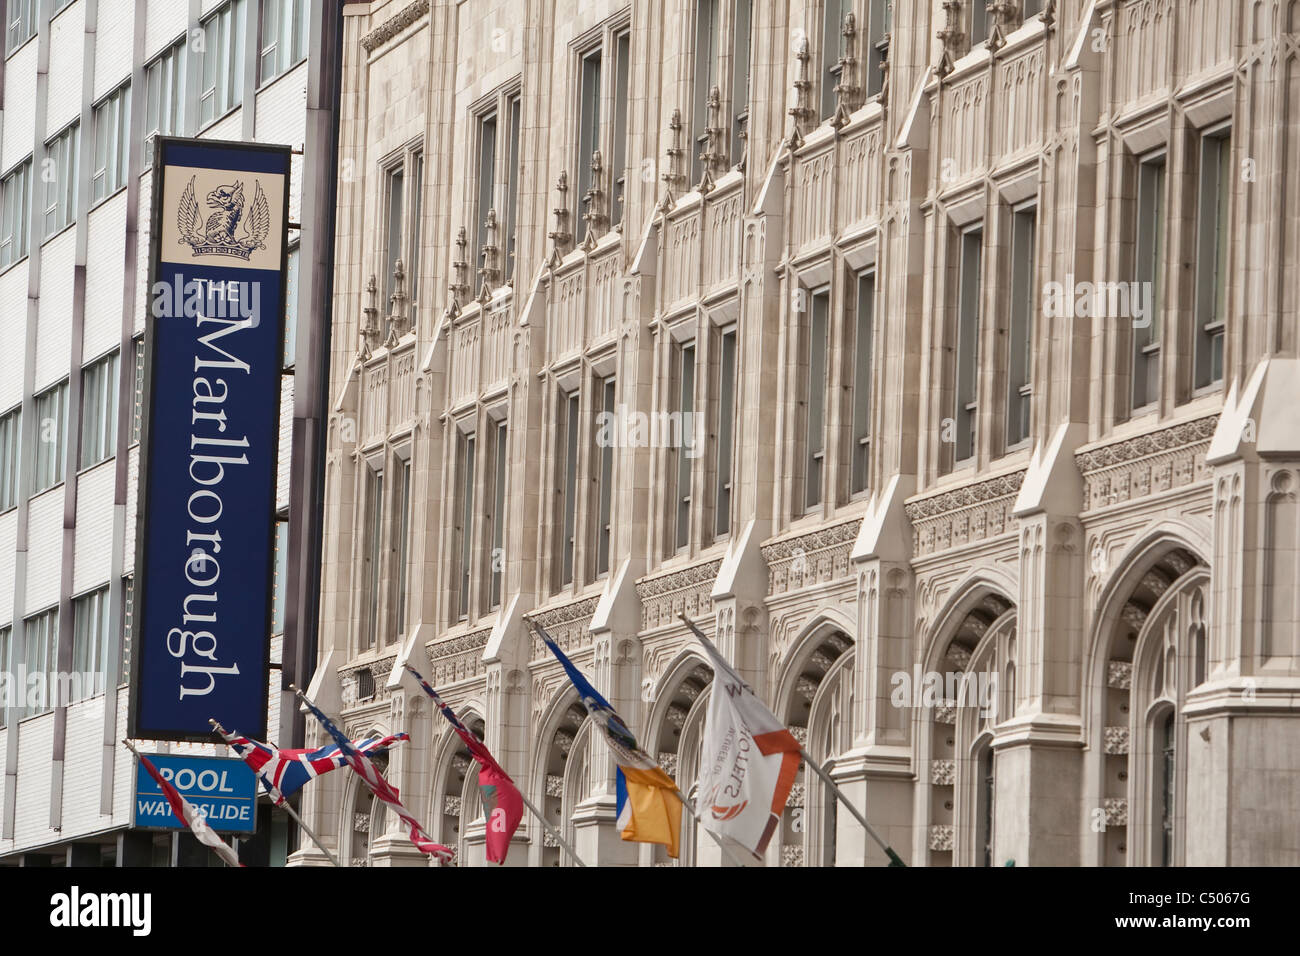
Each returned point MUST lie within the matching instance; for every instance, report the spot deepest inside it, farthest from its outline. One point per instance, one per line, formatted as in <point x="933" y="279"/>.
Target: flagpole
<point x="307" y="830"/>
<point x="894" y="859"/>
<point x="285" y="805"/>
<point x="551" y="830"/>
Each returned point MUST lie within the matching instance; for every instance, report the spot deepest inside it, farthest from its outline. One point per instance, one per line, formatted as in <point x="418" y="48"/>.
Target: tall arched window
<point x="987" y="793"/>
<point x="1166" y="778"/>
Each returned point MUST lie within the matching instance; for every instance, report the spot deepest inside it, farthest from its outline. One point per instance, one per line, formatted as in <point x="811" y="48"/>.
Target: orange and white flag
<point x="748" y="762"/>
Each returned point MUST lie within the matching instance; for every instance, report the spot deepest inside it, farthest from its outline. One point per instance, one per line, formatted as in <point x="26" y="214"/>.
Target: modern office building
<point x="85" y="86"/>
<point x="883" y="340"/>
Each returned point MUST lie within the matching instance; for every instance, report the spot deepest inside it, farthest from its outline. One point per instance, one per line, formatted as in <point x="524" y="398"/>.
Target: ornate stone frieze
<point x="1146" y="464"/>
<point x="814" y="558"/>
<point x="1119" y="674"/>
<point x="964" y="515"/>
<point x="941" y="837"/>
<point x="394" y="25"/>
<point x="458" y="658"/>
<point x="1116" y="740"/>
<point x="942" y="772"/>
<point x="686" y="591"/>
<point x="567" y="626"/>
<point x="1116" y="811"/>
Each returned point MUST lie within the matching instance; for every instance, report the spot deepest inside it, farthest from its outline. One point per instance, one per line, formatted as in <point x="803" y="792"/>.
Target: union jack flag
<point x="284" y="772"/>
<point x="503" y="804"/>
<point x="380" y="787"/>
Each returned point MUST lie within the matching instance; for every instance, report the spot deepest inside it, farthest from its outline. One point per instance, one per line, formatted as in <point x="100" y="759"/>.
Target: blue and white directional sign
<point x="222" y="789"/>
<point x="205" y="533"/>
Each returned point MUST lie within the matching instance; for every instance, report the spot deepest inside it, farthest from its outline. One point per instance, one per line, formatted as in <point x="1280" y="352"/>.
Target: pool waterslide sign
<point x="205" y="526"/>
<point x="223" y="789"/>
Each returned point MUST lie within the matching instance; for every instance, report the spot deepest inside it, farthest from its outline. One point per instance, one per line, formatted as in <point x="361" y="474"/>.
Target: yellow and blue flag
<point x="649" y="809"/>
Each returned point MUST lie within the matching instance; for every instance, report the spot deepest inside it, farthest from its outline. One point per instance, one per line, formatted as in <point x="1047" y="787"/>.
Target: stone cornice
<point x="1140" y="446"/>
<point x="820" y="555"/>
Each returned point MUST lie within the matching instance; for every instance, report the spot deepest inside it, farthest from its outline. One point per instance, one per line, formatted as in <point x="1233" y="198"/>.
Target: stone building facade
<point x="936" y="357"/>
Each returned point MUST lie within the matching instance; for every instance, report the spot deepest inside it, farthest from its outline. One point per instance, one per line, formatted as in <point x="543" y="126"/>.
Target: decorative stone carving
<point x="394" y="25"/>
<point x="554" y="785"/>
<point x="567" y="626"/>
<point x="1116" y="740"/>
<point x="941" y="837"/>
<point x="562" y="235"/>
<point x="965" y="515"/>
<point x="795" y="799"/>
<point x="687" y="592"/>
<point x="1119" y="674"/>
<point x="1116" y="811"/>
<point x="815" y="558"/>
<point x="802" y="113"/>
<point x="945" y="713"/>
<point x="451" y="805"/>
<point x="943" y="772"/>
<point x="1146" y="464"/>
<point x="457" y="659"/>
<point x="668" y="761"/>
<point x="792" y="855"/>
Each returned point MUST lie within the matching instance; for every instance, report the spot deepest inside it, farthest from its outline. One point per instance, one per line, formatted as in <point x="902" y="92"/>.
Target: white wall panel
<point x="164" y="23"/>
<point x="13" y="307"/>
<point x="54" y="323"/>
<point x="20" y="107"/>
<point x="228" y="127"/>
<point x="67" y="54"/>
<point x="114" y="40"/>
<point x="44" y="550"/>
<point x="105" y="258"/>
<point x="32" y="820"/>
<point x="8" y="541"/>
<point x="92" y="563"/>
<point x="81" y="766"/>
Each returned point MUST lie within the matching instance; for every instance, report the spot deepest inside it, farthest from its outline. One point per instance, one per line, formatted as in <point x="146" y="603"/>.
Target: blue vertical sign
<point x="205" y="532"/>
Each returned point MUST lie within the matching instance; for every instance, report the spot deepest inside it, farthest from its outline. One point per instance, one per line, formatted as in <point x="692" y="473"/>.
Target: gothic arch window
<point x="456" y="799"/>
<point x="1150" y="659"/>
<point x="565" y="777"/>
<point x="829" y="735"/>
<point x="967" y="691"/>
<point x="678" y="731"/>
<point x="817" y="709"/>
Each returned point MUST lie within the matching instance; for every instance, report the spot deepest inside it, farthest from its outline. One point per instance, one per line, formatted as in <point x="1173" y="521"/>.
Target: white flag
<point x="748" y="761"/>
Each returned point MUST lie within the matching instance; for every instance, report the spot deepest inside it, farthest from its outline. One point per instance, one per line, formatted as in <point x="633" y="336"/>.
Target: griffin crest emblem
<point x="221" y="233"/>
